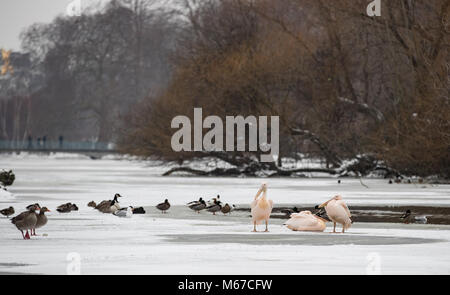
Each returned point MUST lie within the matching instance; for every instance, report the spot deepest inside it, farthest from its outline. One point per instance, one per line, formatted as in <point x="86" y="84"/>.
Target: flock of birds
<point x="261" y="209"/>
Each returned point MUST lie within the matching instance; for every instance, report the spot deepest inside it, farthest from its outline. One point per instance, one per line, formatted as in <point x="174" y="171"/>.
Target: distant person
<point x="61" y="140"/>
<point x="44" y="140"/>
<point x="30" y="142"/>
<point x="38" y="142"/>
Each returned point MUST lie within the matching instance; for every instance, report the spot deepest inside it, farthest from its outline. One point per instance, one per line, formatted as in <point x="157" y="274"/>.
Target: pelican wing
<point x="342" y="203"/>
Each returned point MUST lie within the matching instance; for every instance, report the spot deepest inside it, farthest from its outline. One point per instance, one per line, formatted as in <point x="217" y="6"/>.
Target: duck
<point x="109" y="206"/>
<point x="213" y="200"/>
<point x="66" y="208"/>
<point x="289" y="211"/>
<point x="138" y="210"/>
<point x="338" y="212"/>
<point x="261" y="208"/>
<point x="163" y="206"/>
<point x="92" y="204"/>
<point x="408" y="218"/>
<point x="26" y="221"/>
<point x="41" y="219"/>
<point x="227" y="209"/>
<point x="193" y="203"/>
<point x="215" y="207"/>
<point x="305" y="221"/>
<point x="198" y="206"/>
<point x="7" y="211"/>
<point x="124" y="212"/>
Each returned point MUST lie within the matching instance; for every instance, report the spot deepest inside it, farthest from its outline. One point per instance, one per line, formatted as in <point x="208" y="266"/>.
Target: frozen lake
<point x="183" y="242"/>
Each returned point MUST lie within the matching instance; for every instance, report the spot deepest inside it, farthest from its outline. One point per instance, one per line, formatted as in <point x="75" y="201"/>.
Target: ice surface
<point x="184" y="242"/>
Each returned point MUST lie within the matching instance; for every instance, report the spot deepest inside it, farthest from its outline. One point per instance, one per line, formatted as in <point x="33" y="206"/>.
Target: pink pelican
<point x="305" y="221"/>
<point x="338" y="212"/>
<point x="261" y="208"/>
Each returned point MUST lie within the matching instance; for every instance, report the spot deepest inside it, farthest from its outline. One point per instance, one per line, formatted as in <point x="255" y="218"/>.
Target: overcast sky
<point x="15" y="15"/>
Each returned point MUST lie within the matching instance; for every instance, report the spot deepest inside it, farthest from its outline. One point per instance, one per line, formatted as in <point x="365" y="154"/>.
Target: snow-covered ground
<point x="183" y="242"/>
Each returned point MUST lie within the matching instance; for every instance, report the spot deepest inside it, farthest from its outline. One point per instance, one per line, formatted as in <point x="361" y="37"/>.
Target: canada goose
<point x="408" y="218"/>
<point x="227" y="209"/>
<point x="41" y="218"/>
<point x="138" y="210"/>
<point x="124" y="212"/>
<point x="261" y="208"/>
<point x="199" y="206"/>
<point x="164" y="206"/>
<point x="7" y="211"/>
<point x="26" y="221"/>
<point x="216" y="207"/>
<point x="109" y="206"/>
<point x="338" y="212"/>
<point x="92" y="204"/>
<point x="66" y="208"/>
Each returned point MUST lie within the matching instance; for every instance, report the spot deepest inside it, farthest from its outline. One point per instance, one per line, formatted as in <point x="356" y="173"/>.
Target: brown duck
<point x="227" y="209"/>
<point x="41" y="218"/>
<point x="92" y="204"/>
<point x="7" y="212"/>
<point x="164" y="206"/>
<point x="66" y="208"/>
<point x="26" y="221"/>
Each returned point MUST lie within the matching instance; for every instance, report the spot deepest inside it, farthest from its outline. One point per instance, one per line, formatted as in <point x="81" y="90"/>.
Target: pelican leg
<point x="254" y="226"/>
<point x="27" y="236"/>
<point x="343" y="228"/>
<point x="334" y="227"/>
<point x="267" y="226"/>
<point x="23" y="235"/>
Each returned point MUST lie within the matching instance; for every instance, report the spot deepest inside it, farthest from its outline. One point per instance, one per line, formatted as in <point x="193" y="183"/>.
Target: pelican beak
<point x="258" y="193"/>
<point x="324" y="204"/>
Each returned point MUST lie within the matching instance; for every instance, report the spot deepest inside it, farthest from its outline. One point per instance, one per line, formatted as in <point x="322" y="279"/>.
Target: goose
<point x="261" y="208"/>
<point x="215" y="207"/>
<point x="7" y="211"/>
<point x="305" y="221"/>
<point x="227" y="209"/>
<point x="92" y="204"/>
<point x="124" y="212"/>
<point x="30" y="207"/>
<point x="199" y="206"/>
<point x="26" y="221"/>
<point x="408" y="217"/>
<point x="138" y="210"/>
<point x="109" y="206"/>
<point x="163" y="206"/>
<point x="41" y="218"/>
<point x="338" y="212"/>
